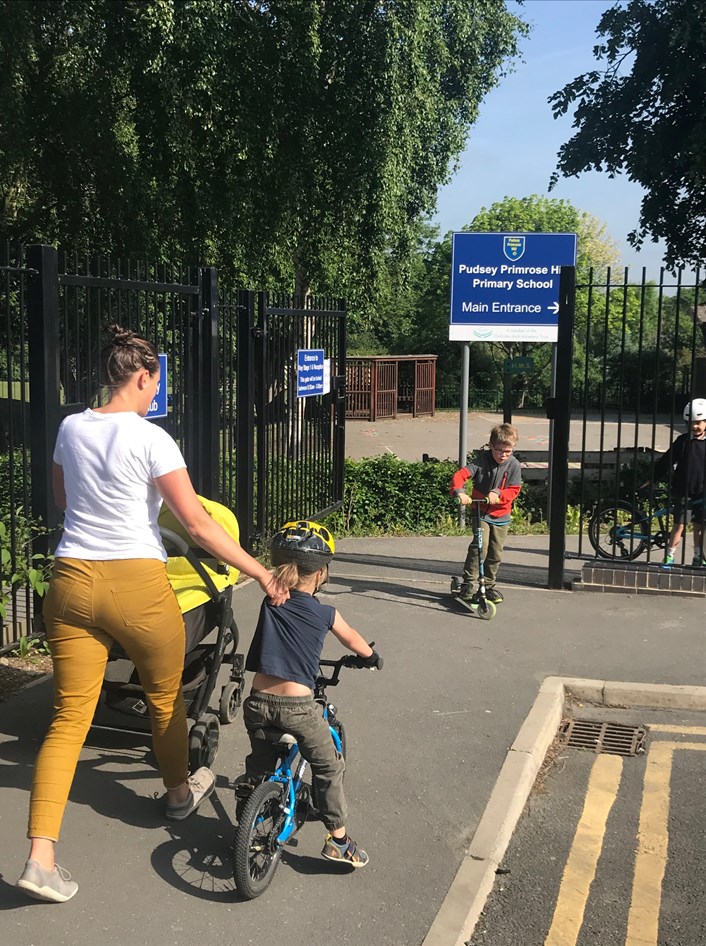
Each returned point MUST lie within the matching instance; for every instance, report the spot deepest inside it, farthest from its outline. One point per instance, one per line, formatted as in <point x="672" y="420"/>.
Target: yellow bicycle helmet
<point x="307" y="544"/>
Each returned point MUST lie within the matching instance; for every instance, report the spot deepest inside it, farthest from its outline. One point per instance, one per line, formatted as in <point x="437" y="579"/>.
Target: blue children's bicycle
<point x="622" y="530"/>
<point x="279" y="806"/>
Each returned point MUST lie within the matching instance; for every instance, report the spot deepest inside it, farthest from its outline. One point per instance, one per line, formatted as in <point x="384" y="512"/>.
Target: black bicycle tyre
<point x="618" y="511"/>
<point x="254" y="869"/>
<point x="341" y="730"/>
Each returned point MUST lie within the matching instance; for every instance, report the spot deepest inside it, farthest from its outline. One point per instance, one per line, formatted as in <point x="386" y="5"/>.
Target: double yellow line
<point x="653" y="838"/>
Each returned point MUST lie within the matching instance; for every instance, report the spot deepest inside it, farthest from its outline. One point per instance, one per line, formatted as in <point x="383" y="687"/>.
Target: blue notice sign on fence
<point x="158" y="407"/>
<point x="310" y="372"/>
<point x="505" y="286"/>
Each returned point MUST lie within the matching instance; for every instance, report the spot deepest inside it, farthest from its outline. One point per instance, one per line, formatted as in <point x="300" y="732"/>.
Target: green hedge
<point x="387" y="496"/>
<point x="384" y="495"/>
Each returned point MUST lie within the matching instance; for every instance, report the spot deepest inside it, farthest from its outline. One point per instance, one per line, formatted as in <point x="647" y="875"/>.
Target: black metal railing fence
<point x="289" y="449"/>
<point x="17" y="526"/>
<point x="232" y="403"/>
<point x="639" y="357"/>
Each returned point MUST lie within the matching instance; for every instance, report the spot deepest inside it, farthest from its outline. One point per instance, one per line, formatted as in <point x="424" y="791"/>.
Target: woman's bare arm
<point x="177" y="491"/>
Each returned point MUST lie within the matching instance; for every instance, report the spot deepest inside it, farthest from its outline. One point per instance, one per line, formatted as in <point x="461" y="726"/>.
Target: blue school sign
<point x="158" y="407"/>
<point x="505" y="286"/>
<point x="310" y="372"/>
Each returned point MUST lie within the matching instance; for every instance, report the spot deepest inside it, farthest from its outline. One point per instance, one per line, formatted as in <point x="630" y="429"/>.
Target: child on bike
<point x="687" y="457"/>
<point x="496" y="478"/>
<point x="284" y="656"/>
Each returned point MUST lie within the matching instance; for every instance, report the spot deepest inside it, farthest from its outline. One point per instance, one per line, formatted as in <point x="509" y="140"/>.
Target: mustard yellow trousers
<point x="87" y="607"/>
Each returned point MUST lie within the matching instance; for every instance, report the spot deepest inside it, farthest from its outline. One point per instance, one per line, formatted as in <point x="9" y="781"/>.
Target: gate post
<point x="244" y="416"/>
<point x="44" y="387"/>
<point x="207" y="398"/>
<point x="559" y="414"/>
<point x="339" y="406"/>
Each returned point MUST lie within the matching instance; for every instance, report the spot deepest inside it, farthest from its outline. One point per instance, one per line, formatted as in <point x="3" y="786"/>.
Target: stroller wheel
<point x="231" y="698"/>
<point x="203" y="741"/>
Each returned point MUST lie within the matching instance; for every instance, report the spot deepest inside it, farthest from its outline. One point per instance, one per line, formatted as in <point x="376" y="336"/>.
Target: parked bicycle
<point x="622" y="530"/>
<point x="278" y="807"/>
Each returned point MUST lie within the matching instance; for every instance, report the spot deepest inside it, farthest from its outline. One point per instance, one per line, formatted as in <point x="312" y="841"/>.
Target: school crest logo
<point x="514" y="247"/>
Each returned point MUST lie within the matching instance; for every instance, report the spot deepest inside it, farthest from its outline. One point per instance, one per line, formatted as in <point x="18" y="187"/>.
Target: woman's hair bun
<point x="121" y="336"/>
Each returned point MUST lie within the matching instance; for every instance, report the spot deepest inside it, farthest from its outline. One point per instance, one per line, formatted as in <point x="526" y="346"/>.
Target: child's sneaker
<point x="466" y="591"/>
<point x="346" y="853"/>
<point x="668" y="560"/>
<point x="492" y="594"/>
<point x="52" y="886"/>
<point x="698" y="561"/>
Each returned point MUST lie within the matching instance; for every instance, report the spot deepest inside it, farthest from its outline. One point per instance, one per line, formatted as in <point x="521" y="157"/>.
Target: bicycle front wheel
<point x="618" y="531"/>
<point x="256" y="852"/>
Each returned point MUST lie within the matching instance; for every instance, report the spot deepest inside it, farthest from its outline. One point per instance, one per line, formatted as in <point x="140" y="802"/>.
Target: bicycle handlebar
<point x="347" y="660"/>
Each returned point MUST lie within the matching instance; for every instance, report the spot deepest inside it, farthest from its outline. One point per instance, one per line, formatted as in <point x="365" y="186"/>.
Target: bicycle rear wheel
<point x="255" y="851"/>
<point x="618" y="531"/>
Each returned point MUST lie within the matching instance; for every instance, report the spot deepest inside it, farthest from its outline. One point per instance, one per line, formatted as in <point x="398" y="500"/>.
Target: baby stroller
<point x="204" y="589"/>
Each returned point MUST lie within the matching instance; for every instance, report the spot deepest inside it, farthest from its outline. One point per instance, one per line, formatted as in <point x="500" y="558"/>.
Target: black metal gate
<point x="626" y="368"/>
<point x="247" y="436"/>
<point x="289" y="449"/>
<point x="70" y="306"/>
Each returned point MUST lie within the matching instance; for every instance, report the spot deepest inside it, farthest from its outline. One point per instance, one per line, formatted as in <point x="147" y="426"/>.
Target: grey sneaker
<point x="53" y="886"/>
<point x="201" y="784"/>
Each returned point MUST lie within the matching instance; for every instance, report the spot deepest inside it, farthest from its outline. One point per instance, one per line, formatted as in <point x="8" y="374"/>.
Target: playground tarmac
<point x="410" y="437"/>
<point x="427" y="739"/>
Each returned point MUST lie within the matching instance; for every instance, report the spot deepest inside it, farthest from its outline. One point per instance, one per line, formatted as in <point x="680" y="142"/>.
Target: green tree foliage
<point x="643" y="114"/>
<point x="294" y="142"/>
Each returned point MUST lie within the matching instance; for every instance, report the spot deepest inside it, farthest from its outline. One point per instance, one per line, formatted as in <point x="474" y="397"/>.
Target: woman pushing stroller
<point x="112" y="470"/>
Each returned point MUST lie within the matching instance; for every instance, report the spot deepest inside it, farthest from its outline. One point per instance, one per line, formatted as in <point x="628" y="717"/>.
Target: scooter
<point x="483" y="608"/>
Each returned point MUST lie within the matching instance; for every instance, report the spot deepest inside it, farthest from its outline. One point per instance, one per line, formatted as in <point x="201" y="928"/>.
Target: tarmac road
<point x="427" y="737"/>
<point x="608" y="851"/>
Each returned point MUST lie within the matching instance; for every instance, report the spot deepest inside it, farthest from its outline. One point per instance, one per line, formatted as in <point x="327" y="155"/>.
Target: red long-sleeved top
<point x="503" y="478"/>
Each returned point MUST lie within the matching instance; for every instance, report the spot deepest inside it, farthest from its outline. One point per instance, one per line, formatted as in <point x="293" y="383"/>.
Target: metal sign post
<point x="463" y="424"/>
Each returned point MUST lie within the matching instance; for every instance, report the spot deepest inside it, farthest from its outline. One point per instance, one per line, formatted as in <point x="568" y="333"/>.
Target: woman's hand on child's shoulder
<point x="277" y="592"/>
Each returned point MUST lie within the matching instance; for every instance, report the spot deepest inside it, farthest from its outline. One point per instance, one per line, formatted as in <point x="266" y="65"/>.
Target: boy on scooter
<point x="496" y="477"/>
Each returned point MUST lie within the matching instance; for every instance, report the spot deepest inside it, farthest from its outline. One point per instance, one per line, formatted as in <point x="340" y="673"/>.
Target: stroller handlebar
<point x="174" y="540"/>
<point x="184" y="550"/>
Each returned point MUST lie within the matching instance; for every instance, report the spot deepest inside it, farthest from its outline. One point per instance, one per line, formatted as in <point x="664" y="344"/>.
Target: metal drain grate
<point x="613" y="738"/>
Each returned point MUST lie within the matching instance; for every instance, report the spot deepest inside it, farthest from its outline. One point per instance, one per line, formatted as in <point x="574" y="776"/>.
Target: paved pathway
<point x="427" y="737"/>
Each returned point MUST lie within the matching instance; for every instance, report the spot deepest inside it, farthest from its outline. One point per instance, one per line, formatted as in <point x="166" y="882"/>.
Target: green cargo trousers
<point x="301" y="717"/>
<point x="494" y="537"/>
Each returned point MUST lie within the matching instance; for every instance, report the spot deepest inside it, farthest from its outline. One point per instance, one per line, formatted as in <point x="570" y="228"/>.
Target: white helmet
<point x="695" y="410"/>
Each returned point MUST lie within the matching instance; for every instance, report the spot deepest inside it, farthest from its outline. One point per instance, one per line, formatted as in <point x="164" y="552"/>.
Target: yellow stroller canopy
<point x="184" y="579"/>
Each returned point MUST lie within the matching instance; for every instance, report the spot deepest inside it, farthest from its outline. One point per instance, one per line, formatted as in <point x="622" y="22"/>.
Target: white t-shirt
<point x="110" y="462"/>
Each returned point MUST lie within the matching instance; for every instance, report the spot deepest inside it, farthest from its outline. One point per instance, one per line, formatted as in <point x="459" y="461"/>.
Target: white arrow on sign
<point x="554" y="307"/>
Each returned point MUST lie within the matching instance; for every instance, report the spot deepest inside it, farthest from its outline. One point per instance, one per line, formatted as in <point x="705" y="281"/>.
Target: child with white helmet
<point x="687" y="457"/>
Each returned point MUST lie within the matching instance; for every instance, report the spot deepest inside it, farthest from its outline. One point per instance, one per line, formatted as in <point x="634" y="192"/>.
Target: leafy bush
<point x="387" y="496"/>
<point x="21" y="569"/>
